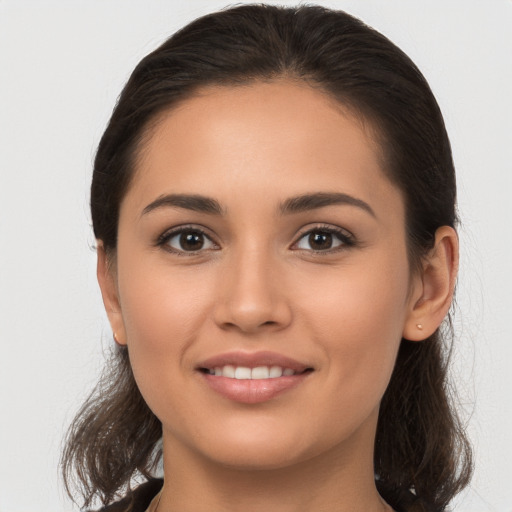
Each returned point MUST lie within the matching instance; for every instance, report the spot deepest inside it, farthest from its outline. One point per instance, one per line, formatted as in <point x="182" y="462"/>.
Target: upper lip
<point x="253" y="360"/>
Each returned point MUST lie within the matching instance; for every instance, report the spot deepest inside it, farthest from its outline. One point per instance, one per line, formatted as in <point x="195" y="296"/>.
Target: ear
<point x="107" y="280"/>
<point x="433" y="288"/>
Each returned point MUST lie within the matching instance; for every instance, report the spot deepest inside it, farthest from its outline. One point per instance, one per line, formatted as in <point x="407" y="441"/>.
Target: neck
<point x="341" y="480"/>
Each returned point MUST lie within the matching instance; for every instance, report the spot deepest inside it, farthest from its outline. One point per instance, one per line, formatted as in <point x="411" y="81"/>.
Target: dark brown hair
<point x="420" y="444"/>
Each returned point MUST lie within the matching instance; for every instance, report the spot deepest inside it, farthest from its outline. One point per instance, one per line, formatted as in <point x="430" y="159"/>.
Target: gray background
<point x="62" y="64"/>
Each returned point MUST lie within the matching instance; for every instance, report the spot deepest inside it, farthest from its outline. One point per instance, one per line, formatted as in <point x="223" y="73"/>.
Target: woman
<point x="274" y="204"/>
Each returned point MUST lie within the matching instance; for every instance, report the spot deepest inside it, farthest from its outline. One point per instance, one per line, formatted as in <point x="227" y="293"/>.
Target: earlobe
<point x="106" y="275"/>
<point x="434" y="287"/>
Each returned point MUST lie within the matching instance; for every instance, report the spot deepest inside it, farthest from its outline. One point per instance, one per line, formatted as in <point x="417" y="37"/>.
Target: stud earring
<point x="419" y="326"/>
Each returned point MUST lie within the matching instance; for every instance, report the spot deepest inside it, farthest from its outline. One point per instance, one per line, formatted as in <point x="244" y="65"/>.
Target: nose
<point x="252" y="296"/>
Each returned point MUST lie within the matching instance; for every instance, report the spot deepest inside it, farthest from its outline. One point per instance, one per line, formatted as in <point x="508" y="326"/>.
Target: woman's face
<point x="259" y="238"/>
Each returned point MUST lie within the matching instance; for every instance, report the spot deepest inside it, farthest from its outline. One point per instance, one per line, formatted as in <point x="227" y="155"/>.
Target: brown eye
<point x="324" y="240"/>
<point x="320" y="240"/>
<point x="189" y="240"/>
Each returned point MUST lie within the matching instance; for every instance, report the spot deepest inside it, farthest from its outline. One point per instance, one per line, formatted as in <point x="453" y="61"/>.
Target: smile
<point x="245" y="373"/>
<point x="252" y="378"/>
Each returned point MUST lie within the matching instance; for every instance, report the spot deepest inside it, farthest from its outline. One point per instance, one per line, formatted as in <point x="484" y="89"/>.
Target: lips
<point x="252" y="377"/>
<point x="253" y="360"/>
<point x="244" y="372"/>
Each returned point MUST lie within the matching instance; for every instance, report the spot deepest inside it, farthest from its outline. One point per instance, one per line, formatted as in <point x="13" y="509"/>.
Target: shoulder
<point x="137" y="500"/>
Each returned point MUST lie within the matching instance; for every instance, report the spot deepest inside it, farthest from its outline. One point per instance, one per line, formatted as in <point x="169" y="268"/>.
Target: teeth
<point x="228" y="371"/>
<point x="260" y="372"/>
<point x="245" y="373"/>
<point x="242" y="372"/>
<point x="275" y="371"/>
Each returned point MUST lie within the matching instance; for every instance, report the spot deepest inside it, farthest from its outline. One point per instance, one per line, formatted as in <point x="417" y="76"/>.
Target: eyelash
<point x="163" y="240"/>
<point x="346" y="239"/>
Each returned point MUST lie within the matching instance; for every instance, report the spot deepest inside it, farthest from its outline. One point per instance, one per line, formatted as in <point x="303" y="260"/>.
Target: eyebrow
<point x="194" y="202"/>
<point x="302" y="203"/>
<point x="308" y="202"/>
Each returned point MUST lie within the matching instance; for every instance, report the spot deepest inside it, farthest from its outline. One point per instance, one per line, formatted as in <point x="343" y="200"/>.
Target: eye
<point x="187" y="240"/>
<point x="324" y="240"/>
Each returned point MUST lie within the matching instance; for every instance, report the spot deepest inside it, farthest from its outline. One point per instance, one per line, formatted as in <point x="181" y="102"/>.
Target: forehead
<point x="289" y="108"/>
<point x="257" y="138"/>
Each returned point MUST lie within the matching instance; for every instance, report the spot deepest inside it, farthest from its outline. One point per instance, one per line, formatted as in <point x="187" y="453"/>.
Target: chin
<point x="262" y="446"/>
<point x="256" y="458"/>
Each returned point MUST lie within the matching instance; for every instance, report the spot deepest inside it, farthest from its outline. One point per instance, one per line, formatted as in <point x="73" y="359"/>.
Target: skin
<point x="257" y="283"/>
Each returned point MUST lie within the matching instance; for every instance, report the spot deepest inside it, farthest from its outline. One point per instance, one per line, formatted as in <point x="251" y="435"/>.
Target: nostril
<point x="251" y="313"/>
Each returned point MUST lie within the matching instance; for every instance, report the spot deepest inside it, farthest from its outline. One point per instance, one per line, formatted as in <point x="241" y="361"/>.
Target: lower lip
<point x="253" y="391"/>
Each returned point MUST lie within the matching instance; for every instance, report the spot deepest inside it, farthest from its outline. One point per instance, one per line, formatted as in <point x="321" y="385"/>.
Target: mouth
<point x="252" y="378"/>
<point x="257" y="373"/>
<point x="260" y="365"/>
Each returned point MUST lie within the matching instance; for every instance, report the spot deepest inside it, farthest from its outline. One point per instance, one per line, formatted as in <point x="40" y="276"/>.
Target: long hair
<point x="420" y="444"/>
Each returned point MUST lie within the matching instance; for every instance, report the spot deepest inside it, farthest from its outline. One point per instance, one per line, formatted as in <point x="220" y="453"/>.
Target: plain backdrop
<point x="62" y="65"/>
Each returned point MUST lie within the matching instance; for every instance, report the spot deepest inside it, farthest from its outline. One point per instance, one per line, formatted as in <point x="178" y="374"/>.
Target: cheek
<point x="160" y="304"/>
<point x="162" y="313"/>
<point x="358" y="321"/>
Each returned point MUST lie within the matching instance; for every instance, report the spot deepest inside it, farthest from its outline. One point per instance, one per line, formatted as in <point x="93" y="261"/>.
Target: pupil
<point x="320" y="240"/>
<point x="191" y="241"/>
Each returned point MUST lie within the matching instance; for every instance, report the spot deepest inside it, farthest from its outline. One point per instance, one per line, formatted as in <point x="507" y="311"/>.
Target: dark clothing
<point x="141" y="497"/>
